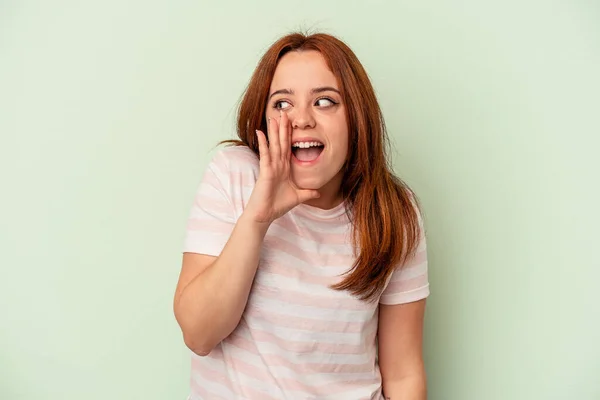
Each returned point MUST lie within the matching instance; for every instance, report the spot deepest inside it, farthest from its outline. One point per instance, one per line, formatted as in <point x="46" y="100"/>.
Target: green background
<point x="108" y="114"/>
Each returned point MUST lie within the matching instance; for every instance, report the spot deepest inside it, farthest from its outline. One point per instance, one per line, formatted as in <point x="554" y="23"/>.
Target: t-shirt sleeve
<point x="410" y="282"/>
<point x="212" y="215"/>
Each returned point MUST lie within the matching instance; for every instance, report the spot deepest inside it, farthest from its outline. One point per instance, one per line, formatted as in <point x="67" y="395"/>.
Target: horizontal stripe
<point x="333" y="239"/>
<point x="276" y="245"/>
<point x="299" y="305"/>
<point x="201" y="225"/>
<point x="281" y="365"/>
<point x="290" y="296"/>
<point x="408" y="284"/>
<point x="282" y="320"/>
<point x="271" y="341"/>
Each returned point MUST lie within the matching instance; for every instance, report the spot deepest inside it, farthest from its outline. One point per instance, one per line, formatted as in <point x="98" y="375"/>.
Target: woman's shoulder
<point x="234" y="159"/>
<point x="235" y="166"/>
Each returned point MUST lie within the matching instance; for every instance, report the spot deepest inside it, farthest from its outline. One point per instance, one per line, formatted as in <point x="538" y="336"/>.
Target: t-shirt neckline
<point x="320" y="213"/>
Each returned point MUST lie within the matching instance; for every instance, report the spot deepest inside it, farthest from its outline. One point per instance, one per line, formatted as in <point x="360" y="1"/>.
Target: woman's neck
<point x="331" y="195"/>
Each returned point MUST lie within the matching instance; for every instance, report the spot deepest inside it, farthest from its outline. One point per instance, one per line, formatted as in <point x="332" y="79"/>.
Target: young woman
<point x="304" y="270"/>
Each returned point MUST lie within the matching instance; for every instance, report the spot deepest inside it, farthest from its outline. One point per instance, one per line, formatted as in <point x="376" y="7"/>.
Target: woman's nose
<point x="301" y="118"/>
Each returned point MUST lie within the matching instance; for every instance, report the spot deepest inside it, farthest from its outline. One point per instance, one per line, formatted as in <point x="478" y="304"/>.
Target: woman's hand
<point x="275" y="193"/>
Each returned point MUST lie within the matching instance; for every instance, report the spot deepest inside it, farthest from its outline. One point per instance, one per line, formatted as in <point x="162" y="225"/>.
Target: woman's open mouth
<point x="308" y="151"/>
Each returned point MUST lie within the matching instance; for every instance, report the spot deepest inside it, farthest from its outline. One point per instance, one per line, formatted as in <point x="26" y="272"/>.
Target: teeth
<point x="306" y="145"/>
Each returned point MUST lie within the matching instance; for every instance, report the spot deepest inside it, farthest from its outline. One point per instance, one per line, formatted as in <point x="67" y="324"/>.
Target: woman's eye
<point x="325" y="102"/>
<point x="281" y="104"/>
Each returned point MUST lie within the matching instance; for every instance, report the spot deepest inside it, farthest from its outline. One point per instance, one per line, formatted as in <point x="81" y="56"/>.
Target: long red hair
<point x="383" y="209"/>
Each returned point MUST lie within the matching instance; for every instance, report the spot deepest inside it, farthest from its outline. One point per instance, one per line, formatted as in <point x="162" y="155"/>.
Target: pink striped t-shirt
<point x="297" y="339"/>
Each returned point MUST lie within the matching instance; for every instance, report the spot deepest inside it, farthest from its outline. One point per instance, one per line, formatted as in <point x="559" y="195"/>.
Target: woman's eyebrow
<point x="282" y="91"/>
<point x="325" y="89"/>
<point x="320" y="89"/>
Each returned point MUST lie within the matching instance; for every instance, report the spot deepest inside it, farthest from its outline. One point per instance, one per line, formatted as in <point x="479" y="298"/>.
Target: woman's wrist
<point x="249" y="222"/>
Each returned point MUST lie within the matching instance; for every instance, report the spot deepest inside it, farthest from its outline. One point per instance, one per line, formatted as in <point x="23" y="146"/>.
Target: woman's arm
<point x="401" y="351"/>
<point x="212" y="292"/>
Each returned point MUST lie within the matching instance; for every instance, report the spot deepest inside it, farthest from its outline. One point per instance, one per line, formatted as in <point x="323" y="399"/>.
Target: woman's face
<point x="307" y="91"/>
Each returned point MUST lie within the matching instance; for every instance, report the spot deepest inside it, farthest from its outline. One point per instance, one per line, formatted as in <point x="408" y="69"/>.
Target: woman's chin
<point x="307" y="183"/>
